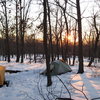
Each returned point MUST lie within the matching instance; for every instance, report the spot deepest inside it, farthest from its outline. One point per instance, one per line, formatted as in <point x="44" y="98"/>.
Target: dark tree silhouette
<point x="7" y="47"/>
<point x="50" y="32"/>
<point x="49" y="82"/>
<point x="74" y="46"/>
<point x="96" y="41"/>
<point x="80" y="45"/>
<point x="17" y="35"/>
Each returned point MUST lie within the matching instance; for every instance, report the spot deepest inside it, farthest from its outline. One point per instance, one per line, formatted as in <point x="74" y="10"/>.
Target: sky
<point x="87" y="7"/>
<point x="36" y="8"/>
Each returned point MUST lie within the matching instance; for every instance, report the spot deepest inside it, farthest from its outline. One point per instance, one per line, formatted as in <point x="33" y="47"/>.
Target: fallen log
<point x="14" y="71"/>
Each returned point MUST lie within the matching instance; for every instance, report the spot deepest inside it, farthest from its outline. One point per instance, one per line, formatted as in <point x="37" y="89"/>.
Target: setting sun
<point x="70" y="38"/>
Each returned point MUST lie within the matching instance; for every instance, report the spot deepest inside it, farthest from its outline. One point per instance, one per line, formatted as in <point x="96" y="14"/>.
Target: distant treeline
<point x="36" y="46"/>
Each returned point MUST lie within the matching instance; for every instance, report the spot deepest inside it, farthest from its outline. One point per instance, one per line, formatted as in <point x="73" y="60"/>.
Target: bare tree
<point x="49" y="82"/>
<point x="17" y="35"/>
<point x="60" y="31"/>
<point x="50" y="32"/>
<point x="21" y="33"/>
<point x="7" y="47"/>
<point x="24" y="9"/>
<point x="2" y="31"/>
<point x="74" y="48"/>
<point x="56" y="35"/>
<point x="66" y="23"/>
<point x="96" y="40"/>
<point x="80" y="47"/>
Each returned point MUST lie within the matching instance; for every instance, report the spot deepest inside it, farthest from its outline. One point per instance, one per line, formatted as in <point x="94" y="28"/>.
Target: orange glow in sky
<point x="70" y="38"/>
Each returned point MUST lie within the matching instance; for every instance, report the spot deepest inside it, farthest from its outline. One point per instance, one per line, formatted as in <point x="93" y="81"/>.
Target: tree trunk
<point x="74" y="49"/>
<point x="49" y="19"/>
<point x="22" y="48"/>
<point x="57" y="47"/>
<point x="56" y="33"/>
<point x="66" y="48"/>
<point x="21" y="33"/>
<point x="80" y="45"/>
<point x="7" y="36"/>
<point x="34" y="50"/>
<point x="61" y="41"/>
<point x="94" y="50"/>
<point x="49" y="82"/>
<point x="17" y="36"/>
<point x="89" y="48"/>
<point x="96" y="42"/>
<point x="62" y="51"/>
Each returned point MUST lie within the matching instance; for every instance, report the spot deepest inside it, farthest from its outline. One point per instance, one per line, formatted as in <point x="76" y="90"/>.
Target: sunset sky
<point x="87" y="9"/>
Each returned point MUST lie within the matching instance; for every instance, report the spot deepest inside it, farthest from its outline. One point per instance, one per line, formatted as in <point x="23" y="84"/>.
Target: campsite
<point x="31" y="85"/>
<point x="49" y="49"/>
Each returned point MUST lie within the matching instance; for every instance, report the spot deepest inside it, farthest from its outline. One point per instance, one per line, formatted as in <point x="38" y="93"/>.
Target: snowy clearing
<point x="30" y="85"/>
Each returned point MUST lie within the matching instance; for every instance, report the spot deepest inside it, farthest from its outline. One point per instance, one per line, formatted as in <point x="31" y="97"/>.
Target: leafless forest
<point x="55" y="30"/>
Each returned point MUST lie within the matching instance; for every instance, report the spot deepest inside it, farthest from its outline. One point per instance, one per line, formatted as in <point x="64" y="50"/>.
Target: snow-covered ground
<point x="30" y="85"/>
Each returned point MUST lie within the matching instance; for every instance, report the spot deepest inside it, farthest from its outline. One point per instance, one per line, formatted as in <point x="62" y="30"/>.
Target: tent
<point x="58" y="67"/>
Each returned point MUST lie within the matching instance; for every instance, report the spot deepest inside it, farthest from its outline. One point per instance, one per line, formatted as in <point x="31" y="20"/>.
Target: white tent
<point x="58" y="67"/>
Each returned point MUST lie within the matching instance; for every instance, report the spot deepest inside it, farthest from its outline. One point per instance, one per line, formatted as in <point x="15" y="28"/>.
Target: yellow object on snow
<point x="2" y="75"/>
